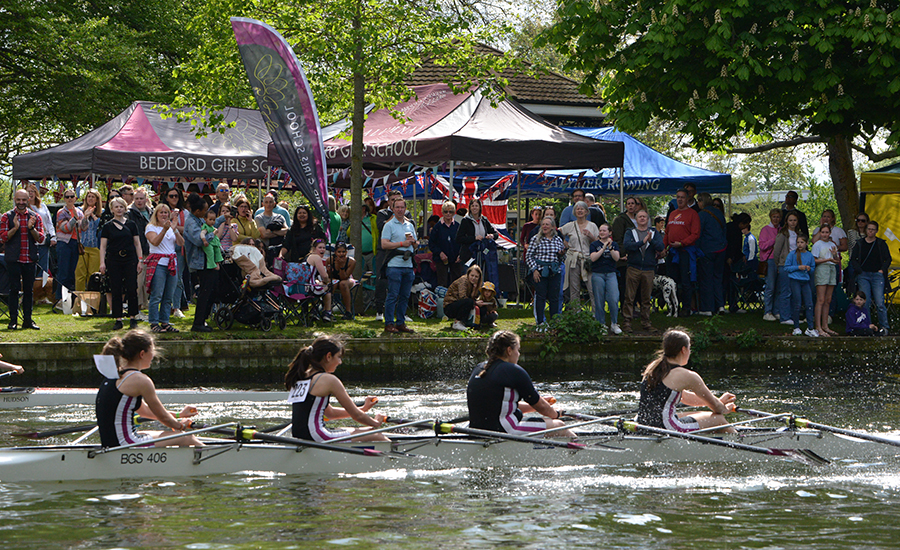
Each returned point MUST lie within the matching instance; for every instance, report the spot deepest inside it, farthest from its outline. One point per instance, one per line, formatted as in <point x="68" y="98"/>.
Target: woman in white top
<point x="39" y="208"/>
<point x="579" y="234"/>
<point x="825" y="251"/>
<point x="162" y="271"/>
<point x="838" y="235"/>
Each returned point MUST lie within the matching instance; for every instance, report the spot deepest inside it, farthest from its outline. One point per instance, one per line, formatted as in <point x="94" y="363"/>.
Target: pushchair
<point x="238" y="301"/>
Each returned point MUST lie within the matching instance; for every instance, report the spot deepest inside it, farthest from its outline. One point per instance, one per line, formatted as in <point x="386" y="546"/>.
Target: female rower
<point x="666" y="381"/>
<point x="133" y="393"/>
<point x="310" y="381"/>
<point x="496" y="386"/>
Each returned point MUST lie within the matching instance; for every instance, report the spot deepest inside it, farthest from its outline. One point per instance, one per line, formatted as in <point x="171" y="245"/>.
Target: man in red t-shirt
<point x="682" y="231"/>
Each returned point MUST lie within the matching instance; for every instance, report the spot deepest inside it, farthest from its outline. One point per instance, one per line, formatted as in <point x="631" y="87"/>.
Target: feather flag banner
<point x="286" y="105"/>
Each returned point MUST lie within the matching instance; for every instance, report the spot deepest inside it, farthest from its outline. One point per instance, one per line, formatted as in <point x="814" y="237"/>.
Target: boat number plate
<point x="141" y="458"/>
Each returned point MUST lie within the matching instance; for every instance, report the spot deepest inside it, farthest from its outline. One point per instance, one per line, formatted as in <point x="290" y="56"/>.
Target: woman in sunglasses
<point x="67" y="220"/>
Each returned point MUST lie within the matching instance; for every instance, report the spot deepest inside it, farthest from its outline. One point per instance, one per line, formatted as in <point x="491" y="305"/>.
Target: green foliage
<point x="709" y="330"/>
<point x="748" y="339"/>
<point x="363" y="333"/>
<point x="572" y="326"/>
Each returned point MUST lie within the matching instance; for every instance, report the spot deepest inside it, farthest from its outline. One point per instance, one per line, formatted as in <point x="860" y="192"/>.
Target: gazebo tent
<point x="466" y="130"/>
<point x="140" y="142"/>
<point x="880" y="199"/>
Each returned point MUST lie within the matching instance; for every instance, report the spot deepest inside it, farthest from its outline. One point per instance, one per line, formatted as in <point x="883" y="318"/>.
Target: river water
<point x="735" y="505"/>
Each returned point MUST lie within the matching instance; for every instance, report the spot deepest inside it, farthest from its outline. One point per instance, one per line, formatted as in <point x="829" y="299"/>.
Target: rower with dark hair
<point x="666" y="381"/>
<point x="310" y="381"/>
<point x="133" y="393"/>
<point x="496" y="386"/>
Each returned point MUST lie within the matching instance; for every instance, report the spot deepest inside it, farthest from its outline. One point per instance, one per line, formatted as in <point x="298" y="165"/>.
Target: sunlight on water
<point x="779" y="504"/>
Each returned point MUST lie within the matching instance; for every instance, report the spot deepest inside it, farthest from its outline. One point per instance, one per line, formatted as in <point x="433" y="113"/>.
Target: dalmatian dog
<point x="664" y="291"/>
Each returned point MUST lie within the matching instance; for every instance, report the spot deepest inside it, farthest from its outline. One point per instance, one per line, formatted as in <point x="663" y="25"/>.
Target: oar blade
<point x="803" y="456"/>
<point x="53" y="433"/>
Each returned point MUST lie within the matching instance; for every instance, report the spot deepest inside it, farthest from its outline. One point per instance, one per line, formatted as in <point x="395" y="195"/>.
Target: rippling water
<point x="742" y="505"/>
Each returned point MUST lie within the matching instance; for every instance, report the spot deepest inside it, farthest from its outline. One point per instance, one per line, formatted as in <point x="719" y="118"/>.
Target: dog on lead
<point x="664" y="290"/>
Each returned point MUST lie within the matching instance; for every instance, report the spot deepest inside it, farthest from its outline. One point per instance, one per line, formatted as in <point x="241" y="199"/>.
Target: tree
<point x="66" y="66"/>
<point x="827" y="71"/>
<point x="354" y="52"/>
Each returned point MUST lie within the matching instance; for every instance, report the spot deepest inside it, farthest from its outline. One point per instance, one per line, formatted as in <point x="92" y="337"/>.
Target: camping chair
<point x="509" y="282"/>
<point x="748" y="289"/>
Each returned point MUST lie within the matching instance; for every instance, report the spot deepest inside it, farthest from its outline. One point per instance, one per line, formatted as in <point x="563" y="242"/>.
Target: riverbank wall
<point x="262" y="363"/>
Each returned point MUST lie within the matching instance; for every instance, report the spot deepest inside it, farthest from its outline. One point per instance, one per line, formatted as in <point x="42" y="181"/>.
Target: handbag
<point x="762" y="269"/>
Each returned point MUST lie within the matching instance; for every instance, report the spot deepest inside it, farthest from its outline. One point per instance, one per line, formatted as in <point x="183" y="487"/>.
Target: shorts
<point x="825" y="274"/>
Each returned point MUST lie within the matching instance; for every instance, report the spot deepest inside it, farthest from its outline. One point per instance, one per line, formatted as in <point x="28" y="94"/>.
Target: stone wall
<point x="262" y="363"/>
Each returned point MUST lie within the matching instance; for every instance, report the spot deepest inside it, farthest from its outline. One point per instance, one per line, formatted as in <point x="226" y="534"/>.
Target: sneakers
<point x="142" y="317"/>
<point x="705" y="313"/>
<point x="379" y="317"/>
<point x="812" y="333"/>
<point x="741" y="311"/>
<point x="769" y="317"/>
<point x="458" y="325"/>
<point x="118" y="325"/>
<point x="787" y="322"/>
<point x="723" y="310"/>
<point x="797" y="332"/>
<point x="615" y="329"/>
<point x="177" y="313"/>
<point x="408" y="319"/>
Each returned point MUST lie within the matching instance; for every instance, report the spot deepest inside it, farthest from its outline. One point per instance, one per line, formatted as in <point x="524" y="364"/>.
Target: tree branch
<point x="778" y="145"/>
<point x="872" y="155"/>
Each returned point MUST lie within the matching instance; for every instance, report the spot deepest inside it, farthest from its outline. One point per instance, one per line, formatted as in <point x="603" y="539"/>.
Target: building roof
<point x="547" y="88"/>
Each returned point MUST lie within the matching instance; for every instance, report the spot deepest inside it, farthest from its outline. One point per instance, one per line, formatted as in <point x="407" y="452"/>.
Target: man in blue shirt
<point x="568" y="213"/>
<point x="398" y="242"/>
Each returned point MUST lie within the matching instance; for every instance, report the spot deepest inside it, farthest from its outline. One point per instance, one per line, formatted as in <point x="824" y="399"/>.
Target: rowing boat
<point x="17" y="398"/>
<point x="415" y="452"/>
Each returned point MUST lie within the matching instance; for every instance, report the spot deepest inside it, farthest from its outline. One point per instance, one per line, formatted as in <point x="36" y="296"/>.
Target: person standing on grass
<point x="545" y="265"/>
<point x="161" y="271"/>
<point x="398" y="241"/>
<point x="800" y="267"/>
<point x="121" y="257"/>
<point x="767" y="236"/>
<point x="196" y="261"/>
<point x="682" y="232"/>
<point x="604" y="255"/>
<point x="871" y="260"/>
<point x="828" y="258"/>
<point x="642" y="244"/>
<point x="21" y="230"/>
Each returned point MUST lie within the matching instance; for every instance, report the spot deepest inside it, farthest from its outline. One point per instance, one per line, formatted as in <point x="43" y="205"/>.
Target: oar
<point x="804" y="423"/>
<point x="448" y="428"/>
<point x="7" y="373"/>
<point x="801" y="455"/>
<point x="69" y="430"/>
<point x="249" y="433"/>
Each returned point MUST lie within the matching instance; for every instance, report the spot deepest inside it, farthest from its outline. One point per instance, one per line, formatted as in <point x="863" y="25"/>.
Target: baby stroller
<point x="255" y="307"/>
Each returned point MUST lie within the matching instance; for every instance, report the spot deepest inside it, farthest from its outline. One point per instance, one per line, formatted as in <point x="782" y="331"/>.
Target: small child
<point x="487" y="306"/>
<point x="859" y="323"/>
<point x="227" y="230"/>
<point x="212" y="247"/>
<point x="749" y="247"/>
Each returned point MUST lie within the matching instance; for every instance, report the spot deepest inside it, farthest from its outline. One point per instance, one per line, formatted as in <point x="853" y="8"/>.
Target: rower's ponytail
<point x="674" y="340"/>
<point x="309" y="359"/>
<point x="497" y="347"/>
<point x="130" y="346"/>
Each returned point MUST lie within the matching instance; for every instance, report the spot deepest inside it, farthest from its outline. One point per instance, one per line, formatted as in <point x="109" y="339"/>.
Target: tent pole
<point x="518" y="231"/>
<point x="729" y="205"/>
<point x="621" y="188"/>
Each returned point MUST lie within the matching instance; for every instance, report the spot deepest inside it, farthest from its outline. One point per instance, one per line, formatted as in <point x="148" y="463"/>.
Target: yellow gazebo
<point x="880" y="198"/>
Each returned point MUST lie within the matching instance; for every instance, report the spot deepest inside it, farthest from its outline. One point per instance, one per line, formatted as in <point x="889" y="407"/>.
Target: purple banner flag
<point x="286" y="105"/>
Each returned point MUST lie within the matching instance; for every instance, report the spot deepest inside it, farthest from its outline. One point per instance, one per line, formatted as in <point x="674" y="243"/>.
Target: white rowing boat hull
<point x="49" y="397"/>
<point x="73" y="463"/>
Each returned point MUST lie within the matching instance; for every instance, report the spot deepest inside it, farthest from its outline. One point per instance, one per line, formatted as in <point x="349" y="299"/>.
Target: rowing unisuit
<point x="115" y="413"/>
<point x="308" y="412"/>
<point x="657" y="408"/>
<point x="493" y="399"/>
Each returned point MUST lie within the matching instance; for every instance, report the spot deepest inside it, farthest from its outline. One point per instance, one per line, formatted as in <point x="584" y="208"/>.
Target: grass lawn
<point x="56" y="327"/>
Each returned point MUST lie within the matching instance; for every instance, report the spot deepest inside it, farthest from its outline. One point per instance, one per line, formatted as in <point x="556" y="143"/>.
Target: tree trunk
<point x="840" y="164"/>
<point x="356" y="153"/>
